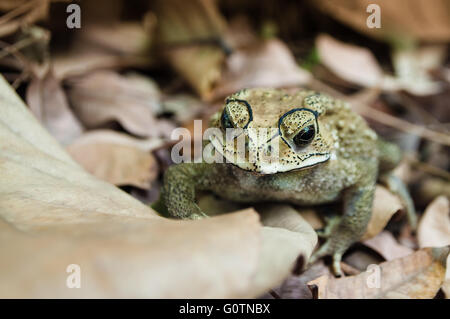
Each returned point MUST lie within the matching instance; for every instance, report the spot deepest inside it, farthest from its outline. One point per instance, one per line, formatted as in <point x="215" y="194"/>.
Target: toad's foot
<point x="330" y="248"/>
<point x="331" y="223"/>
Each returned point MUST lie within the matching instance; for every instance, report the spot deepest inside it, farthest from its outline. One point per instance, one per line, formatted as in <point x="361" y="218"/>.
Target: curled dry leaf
<point x="358" y="65"/>
<point x="279" y="220"/>
<point x="434" y="230"/>
<point x="312" y="217"/>
<point x="285" y="216"/>
<point x="200" y="66"/>
<point x="131" y="100"/>
<point x="411" y="69"/>
<point x="385" y="205"/>
<point x="48" y="102"/>
<point x="53" y="214"/>
<point x="264" y="64"/>
<point x="117" y="158"/>
<point x="428" y="21"/>
<point x="190" y="32"/>
<point x="417" y="276"/>
<point x="434" y="226"/>
<point x="387" y="246"/>
<point x="352" y="63"/>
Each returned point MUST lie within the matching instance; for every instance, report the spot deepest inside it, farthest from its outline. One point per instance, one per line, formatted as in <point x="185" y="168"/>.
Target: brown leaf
<point x="434" y="230"/>
<point x="417" y="276"/>
<point x="48" y="102"/>
<point x="358" y="65"/>
<point x="265" y="64"/>
<point x="434" y="226"/>
<point x="200" y="66"/>
<point x="53" y="214"/>
<point x="352" y="63"/>
<point x="387" y="246"/>
<point x="132" y="100"/>
<point x="428" y="21"/>
<point x="285" y="216"/>
<point x="312" y="217"/>
<point x="190" y="32"/>
<point x="117" y="158"/>
<point x="385" y="205"/>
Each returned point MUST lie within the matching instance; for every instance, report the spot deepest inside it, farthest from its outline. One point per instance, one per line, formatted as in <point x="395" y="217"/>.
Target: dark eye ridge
<point x="305" y="136"/>
<point x="225" y="120"/>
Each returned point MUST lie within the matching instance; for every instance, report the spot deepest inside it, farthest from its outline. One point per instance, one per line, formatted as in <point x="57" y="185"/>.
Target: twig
<point x="427" y="168"/>
<point x="17" y="11"/>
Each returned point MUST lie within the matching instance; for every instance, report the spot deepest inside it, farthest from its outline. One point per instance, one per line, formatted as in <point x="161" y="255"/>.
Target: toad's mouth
<point x="262" y="165"/>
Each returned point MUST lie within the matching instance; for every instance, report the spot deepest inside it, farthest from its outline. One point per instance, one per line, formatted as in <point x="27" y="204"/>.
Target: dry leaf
<point x="200" y="66"/>
<point x="417" y="276"/>
<point x="81" y="62"/>
<point x="117" y="158"/>
<point x="312" y="217"/>
<point x="434" y="226"/>
<point x="412" y="67"/>
<point x="424" y="20"/>
<point x="387" y="246"/>
<point x="358" y="65"/>
<point x="48" y="102"/>
<point x="132" y="100"/>
<point x="385" y="205"/>
<point x="352" y="63"/>
<point x="53" y="214"/>
<point x="265" y="64"/>
<point x="434" y="230"/>
<point x="285" y="216"/>
<point x="190" y="32"/>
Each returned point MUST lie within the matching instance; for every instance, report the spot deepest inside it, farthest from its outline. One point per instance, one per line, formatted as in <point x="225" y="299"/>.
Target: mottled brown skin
<point x="341" y="162"/>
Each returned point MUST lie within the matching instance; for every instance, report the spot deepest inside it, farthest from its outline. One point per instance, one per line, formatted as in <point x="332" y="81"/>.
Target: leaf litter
<point x="113" y="97"/>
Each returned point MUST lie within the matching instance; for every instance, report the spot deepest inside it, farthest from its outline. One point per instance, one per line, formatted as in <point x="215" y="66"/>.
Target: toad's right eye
<point x="225" y="120"/>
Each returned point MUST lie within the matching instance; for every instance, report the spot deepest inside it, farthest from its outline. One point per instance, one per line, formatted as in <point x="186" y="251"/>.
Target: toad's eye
<point x="225" y="120"/>
<point x="305" y="136"/>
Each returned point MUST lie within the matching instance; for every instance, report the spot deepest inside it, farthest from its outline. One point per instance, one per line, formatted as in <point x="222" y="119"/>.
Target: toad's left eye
<point x="305" y="136"/>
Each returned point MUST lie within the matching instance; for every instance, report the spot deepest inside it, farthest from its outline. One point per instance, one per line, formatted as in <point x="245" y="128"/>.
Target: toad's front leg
<point x="357" y="211"/>
<point x="180" y="183"/>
